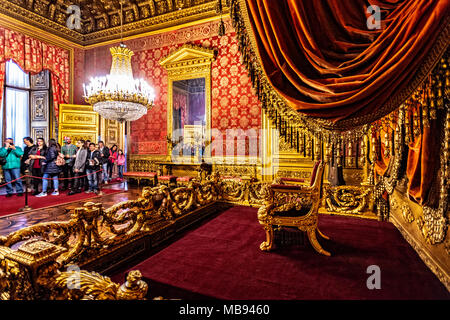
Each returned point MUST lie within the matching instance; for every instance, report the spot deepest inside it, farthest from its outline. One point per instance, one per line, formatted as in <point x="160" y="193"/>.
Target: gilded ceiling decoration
<point x="100" y="19"/>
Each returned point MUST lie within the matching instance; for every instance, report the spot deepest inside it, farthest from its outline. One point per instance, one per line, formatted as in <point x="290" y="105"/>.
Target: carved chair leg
<point x="268" y="244"/>
<point x="322" y="235"/>
<point x="316" y="245"/>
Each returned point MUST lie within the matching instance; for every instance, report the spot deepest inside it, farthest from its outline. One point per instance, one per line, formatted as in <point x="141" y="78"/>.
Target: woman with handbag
<point x="52" y="167"/>
<point x="36" y="157"/>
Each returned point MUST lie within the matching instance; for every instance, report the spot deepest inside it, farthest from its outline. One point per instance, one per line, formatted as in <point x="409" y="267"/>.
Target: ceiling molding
<point x="160" y="15"/>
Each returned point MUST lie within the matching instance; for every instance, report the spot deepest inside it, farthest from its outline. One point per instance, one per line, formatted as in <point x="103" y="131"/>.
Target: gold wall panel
<point x="112" y="132"/>
<point x="78" y="122"/>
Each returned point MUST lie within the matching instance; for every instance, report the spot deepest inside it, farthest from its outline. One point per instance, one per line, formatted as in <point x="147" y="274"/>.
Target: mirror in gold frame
<point x="189" y="103"/>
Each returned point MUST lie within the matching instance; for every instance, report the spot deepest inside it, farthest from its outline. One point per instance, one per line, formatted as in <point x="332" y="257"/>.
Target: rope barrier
<point x="42" y="178"/>
<point x="29" y="176"/>
<point x="2" y="185"/>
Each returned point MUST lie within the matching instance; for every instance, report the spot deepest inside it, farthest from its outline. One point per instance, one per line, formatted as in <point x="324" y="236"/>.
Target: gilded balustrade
<point x="33" y="259"/>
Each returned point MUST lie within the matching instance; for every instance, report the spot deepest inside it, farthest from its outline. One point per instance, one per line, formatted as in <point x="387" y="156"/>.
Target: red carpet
<point x="221" y="259"/>
<point x="14" y="203"/>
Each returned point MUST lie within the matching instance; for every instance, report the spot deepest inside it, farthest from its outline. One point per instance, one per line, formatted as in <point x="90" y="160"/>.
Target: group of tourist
<point x="84" y="165"/>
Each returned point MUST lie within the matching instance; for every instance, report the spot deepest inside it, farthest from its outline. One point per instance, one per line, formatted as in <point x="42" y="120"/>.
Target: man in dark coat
<point x="92" y="165"/>
<point x="51" y="169"/>
<point x="104" y="158"/>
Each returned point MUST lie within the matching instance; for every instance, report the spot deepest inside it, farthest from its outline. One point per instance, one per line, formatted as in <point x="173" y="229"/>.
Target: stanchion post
<point x="99" y="184"/>
<point x="26" y="207"/>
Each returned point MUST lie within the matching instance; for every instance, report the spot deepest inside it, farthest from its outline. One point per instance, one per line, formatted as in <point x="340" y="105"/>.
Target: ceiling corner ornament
<point x="118" y="96"/>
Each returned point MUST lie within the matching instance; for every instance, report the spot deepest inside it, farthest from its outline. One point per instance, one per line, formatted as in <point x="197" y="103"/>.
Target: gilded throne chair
<point x="293" y="205"/>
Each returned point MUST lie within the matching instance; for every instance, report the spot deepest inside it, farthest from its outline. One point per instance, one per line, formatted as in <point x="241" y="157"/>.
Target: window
<point x="17" y="99"/>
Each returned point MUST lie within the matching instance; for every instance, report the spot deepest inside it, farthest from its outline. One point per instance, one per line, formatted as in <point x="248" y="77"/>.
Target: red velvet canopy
<point x="323" y="59"/>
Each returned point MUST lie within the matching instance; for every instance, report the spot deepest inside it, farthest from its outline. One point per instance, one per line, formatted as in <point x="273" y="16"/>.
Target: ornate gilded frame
<point x="78" y="122"/>
<point x="188" y="62"/>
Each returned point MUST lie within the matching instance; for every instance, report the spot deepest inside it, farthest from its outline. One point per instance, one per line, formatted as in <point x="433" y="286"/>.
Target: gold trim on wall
<point x="154" y="32"/>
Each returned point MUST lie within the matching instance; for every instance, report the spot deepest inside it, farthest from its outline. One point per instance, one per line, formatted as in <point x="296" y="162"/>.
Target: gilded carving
<point x="347" y="199"/>
<point x="294" y="174"/>
<point x="407" y="213"/>
<point x="92" y="231"/>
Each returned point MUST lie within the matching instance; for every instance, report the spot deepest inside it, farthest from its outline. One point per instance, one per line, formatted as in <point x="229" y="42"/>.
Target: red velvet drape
<point x="34" y="56"/>
<point x="322" y="58"/>
<point x="423" y="162"/>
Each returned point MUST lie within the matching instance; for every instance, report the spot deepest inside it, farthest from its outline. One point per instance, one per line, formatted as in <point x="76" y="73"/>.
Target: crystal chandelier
<point x="118" y="96"/>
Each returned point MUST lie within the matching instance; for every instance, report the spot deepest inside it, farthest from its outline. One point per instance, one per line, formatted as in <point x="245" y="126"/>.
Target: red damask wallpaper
<point x="234" y="104"/>
<point x="79" y="76"/>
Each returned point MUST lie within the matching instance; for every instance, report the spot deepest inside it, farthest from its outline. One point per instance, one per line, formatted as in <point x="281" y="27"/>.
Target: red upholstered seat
<point x="184" y="179"/>
<point x="140" y="174"/>
<point x="167" y="178"/>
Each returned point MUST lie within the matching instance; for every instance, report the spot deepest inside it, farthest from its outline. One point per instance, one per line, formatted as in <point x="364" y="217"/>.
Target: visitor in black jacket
<point x="51" y="169"/>
<point x="36" y="157"/>
<point x="92" y="165"/>
<point x="28" y="141"/>
<point x="104" y="158"/>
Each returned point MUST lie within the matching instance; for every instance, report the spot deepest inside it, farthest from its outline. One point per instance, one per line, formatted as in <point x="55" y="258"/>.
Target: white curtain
<point x="16" y="104"/>
<point x="15" y="76"/>
<point x="17" y="115"/>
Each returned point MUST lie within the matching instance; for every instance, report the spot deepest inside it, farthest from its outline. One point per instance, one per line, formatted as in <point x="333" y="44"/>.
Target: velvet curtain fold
<point x="34" y="56"/>
<point x="322" y="58"/>
<point x="423" y="162"/>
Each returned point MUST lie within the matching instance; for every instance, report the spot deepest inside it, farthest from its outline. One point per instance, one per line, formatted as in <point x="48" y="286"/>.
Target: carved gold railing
<point x="36" y="261"/>
<point x="32" y="259"/>
<point x="32" y="272"/>
<point x="246" y="193"/>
